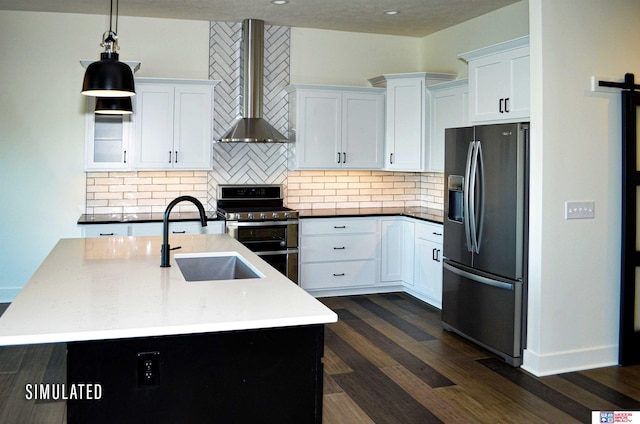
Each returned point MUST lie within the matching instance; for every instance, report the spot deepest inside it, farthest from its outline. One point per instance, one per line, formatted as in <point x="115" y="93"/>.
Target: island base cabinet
<point x="266" y="376"/>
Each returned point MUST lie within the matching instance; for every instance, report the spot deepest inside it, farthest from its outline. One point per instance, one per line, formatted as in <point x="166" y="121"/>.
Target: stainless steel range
<point x="256" y="217"/>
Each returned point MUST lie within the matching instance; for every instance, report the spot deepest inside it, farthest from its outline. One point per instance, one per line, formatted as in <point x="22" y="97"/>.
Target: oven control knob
<point x="249" y="216"/>
<point x="276" y="215"/>
<point x="287" y="215"/>
<point x="263" y="215"/>
<point x="283" y="243"/>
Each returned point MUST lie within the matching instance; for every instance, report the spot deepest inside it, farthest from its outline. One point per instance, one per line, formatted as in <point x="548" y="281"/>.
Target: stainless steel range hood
<point x="252" y="128"/>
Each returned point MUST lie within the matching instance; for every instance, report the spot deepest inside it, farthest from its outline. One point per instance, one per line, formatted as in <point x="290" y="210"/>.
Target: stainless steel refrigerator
<point x="485" y="236"/>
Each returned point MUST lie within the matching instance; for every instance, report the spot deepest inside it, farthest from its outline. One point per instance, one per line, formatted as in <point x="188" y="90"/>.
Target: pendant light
<point x="109" y="77"/>
<point x="113" y="106"/>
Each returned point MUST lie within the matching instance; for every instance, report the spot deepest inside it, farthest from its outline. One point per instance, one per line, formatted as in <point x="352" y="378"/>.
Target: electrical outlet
<point x="148" y="368"/>
<point x="579" y="210"/>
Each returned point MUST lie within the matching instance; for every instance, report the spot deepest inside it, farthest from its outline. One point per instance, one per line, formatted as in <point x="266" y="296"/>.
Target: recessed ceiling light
<point x="391" y="12"/>
<point x="279" y="2"/>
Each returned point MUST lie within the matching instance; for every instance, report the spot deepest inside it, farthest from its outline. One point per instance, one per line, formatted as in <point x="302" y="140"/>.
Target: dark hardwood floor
<point x="387" y="360"/>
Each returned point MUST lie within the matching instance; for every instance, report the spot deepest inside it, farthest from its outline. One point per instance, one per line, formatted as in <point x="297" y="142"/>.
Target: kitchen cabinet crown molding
<point x="153" y="80"/>
<point x="293" y="87"/>
<point x="449" y="84"/>
<point x="516" y="43"/>
<point x="429" y="78"/>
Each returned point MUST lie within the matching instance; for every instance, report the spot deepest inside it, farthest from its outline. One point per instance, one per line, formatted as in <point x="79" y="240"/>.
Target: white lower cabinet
<point x="427" y="276"/>
<point x="338" y="253"/>
<point x="151" y="228"/>
<point x="396" y="256"/>
<point x="105" y="230"/>
<point x="338" y="275"/>
<point x="176" y="227"/>
<point x="343" y="256"/>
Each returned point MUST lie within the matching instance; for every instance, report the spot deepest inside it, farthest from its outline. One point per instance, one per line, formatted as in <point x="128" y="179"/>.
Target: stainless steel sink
<point x="215" y="266"/>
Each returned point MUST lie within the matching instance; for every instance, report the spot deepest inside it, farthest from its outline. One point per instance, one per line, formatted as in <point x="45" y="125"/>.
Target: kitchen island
<point x="166" y="350"/>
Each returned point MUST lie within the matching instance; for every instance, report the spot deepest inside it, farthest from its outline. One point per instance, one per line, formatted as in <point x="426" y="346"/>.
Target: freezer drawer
<point x="485" y="310"/>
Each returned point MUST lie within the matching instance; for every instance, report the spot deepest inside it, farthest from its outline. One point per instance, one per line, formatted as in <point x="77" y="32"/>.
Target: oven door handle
<point x="274" y="223"/>
<point x="276" y="252"/>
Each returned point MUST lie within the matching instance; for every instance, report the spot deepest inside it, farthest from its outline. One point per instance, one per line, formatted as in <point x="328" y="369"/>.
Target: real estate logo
<point x="615" y="417"/>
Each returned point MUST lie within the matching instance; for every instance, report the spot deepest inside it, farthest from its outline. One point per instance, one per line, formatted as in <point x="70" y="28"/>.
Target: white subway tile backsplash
<point x="151" y="191"/>
<point x="361" y="189"/>
<point x="143" y="191"/>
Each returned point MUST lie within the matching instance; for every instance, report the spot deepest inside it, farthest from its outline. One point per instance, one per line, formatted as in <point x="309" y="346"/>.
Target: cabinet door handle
<point x="339" y="275"/>
<point x="506" y="105"/>
<point x="105" y="234"/>
<point x="391" y="158"/>
<point x="435" y="254"/>
<point x="338" y="157"/>
<point x="169" y="156"/>
<point x="125" y="156"/>
<point x="339" y="248"/>
<point x="501" y="110"/>
<point x="344" y="157"/>
<point x="176" y="152"/>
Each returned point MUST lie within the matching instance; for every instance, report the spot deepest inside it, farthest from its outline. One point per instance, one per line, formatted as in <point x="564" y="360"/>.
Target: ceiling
<point x="416" y="18"/>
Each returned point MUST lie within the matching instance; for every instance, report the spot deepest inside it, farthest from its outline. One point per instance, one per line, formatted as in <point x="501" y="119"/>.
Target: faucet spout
<point x="166" y="249"/>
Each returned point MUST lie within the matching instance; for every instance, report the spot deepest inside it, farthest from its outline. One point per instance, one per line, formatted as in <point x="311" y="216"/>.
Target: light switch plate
<point x="579" y="210"/>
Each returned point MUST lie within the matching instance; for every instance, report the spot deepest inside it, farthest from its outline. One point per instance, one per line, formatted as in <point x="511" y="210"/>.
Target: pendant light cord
<point x="111" y="17"/>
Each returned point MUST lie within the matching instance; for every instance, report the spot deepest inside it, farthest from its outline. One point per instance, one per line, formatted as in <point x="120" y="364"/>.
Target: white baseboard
<point x="569" y="361"/>
<point x="353" y="291"/>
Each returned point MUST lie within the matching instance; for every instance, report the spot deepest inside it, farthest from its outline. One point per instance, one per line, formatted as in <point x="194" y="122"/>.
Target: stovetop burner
<point x="253" y="203"/>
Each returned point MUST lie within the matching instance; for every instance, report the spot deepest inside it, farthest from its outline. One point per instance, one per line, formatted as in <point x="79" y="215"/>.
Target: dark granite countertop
<point x="425" y="214"/>
<point x="121" y="218"/>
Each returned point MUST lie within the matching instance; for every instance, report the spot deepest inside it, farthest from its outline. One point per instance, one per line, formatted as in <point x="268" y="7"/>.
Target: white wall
<point x="575" y="155"/>
<point x="349" y="58"/>
<point x="42" y="180"/>
<point x="439" y="51"/>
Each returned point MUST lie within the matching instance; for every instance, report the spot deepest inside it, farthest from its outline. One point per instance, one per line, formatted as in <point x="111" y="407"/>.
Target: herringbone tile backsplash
<point x="240" y="163"/>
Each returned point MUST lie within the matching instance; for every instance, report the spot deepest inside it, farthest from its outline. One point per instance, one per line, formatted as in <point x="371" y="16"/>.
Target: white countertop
<point x="114" y="287"/>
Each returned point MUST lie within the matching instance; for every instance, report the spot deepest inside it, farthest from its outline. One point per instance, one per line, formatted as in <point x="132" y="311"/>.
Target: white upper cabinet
<point x="448" y="108"/>
<point x="499" y="78"/>
<point x="407" y="119"/>
<point x="173" y="124"/>
<point x="336" y="127"/>
<point x="108" y="141"/>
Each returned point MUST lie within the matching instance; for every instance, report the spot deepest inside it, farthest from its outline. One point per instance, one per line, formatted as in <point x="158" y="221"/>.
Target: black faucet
<point x="165" y="228"/>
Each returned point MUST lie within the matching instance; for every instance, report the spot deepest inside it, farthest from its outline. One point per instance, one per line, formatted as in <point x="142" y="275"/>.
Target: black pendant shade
<point x="108" y="77"/>
<point x="113" y="106"/>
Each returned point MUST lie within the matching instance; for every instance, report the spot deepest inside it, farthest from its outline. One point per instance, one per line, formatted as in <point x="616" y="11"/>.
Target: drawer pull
<point x="339" y="275"/>
<point x="179" y="232"/>
<point x="341" y="226"/>
<point x="436" y="234"/>
<point x="105" y="234"/>
<point x="339" y="248"/>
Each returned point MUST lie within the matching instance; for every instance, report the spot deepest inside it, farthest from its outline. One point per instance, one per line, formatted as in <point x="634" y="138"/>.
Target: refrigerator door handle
<point x="478" y="278"/>
<point x="479" y="220"/>
<point x="465" y="200"/>
<point x="472" y="200"/>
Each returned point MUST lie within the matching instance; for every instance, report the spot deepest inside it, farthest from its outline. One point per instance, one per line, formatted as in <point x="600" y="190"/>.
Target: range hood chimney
<point x="252" y="128"/>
